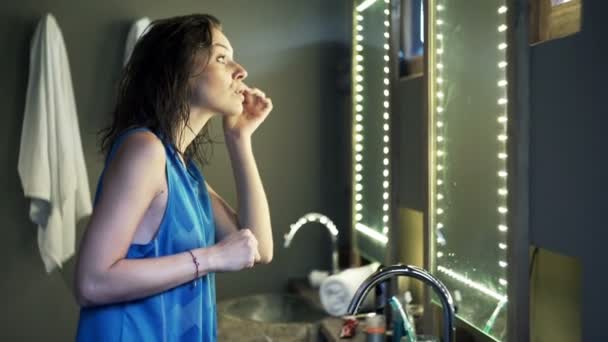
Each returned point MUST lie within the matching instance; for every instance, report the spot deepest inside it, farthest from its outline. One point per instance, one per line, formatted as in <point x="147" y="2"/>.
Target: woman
<point x="158" y="232"/>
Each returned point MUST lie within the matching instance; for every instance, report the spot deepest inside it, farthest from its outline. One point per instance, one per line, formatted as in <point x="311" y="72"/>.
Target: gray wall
<point x="568" y="157"/>
<point x="297" y="51"/>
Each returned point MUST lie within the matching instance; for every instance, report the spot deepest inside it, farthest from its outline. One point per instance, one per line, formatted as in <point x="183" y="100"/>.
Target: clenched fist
<point x="235" y="252"/>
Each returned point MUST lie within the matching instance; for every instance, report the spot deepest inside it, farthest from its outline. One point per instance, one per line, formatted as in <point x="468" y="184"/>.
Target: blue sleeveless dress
<point x="186" y="312"/>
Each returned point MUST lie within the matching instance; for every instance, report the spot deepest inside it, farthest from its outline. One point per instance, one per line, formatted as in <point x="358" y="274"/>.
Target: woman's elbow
<point x="86" y="291"/>
<point x="266" y="256"/>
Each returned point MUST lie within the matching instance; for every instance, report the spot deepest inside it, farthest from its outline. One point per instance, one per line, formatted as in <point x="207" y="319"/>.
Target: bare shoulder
<point x="142" y="145"/>
<point x="141" y="155"/>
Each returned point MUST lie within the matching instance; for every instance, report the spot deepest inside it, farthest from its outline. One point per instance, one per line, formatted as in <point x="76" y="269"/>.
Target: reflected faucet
<point x="327" y="223"/>
<point x="388" y="272"/>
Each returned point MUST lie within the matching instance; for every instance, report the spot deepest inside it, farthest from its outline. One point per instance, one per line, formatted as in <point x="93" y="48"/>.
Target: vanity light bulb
<point x="502" y="228"/>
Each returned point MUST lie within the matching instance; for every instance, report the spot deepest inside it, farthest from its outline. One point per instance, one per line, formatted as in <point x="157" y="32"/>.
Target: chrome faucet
<point x="327" y="223"/>
<point x="414" y="272"/>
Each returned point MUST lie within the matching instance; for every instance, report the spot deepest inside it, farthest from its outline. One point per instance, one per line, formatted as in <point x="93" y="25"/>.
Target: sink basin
<point x="272" y="308"/>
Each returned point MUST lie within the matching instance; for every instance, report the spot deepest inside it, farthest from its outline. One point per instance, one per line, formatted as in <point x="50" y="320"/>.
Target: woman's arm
<point x="103" y="274"/>
<point x="253" y="210"/>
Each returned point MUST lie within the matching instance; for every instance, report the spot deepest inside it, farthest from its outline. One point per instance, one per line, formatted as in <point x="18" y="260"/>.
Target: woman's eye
<point x="221" y="59"/>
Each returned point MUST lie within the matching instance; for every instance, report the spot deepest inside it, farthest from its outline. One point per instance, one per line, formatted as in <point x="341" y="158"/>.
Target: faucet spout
<point x="417" y="273"/>
<point x="325" y="222"/>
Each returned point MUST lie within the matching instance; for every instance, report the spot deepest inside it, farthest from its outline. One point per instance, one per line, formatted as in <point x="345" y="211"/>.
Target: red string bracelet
<point x="196" y="264"/>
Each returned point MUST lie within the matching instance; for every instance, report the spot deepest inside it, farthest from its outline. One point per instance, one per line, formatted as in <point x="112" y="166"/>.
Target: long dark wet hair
<point x="154" y="91"/>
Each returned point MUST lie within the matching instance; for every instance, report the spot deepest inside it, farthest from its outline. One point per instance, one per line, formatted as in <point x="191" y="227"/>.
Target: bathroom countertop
<point x="329" y="327"/>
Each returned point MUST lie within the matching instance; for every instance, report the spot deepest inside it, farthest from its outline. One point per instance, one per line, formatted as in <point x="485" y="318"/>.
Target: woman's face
<point x="218" y="88"/>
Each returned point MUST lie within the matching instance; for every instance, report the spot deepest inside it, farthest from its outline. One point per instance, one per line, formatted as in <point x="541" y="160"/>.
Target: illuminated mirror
<point x="468" y="159"/>
<point x="371" y="128"/>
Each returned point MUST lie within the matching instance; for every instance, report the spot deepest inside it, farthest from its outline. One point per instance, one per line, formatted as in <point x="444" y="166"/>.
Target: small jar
<point x="375" y="328"/>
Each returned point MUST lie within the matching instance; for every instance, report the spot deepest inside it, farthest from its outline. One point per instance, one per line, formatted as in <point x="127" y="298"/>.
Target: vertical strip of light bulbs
<point x="439" y="143"/>
<point x="502" y="140"/>
<point x="358" y="125"/>
<point x="358" y="118"/>
<point x="439" y="110"/>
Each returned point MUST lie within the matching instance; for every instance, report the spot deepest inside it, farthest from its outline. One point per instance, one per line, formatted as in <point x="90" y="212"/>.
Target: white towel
<point x="51" y="162"/>
<point x="137" y="30"/>
<point x="338" y="290"/>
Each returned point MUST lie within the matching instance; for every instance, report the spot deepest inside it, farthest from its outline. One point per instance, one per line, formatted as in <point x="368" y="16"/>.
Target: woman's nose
<point x="240" y="73"/>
